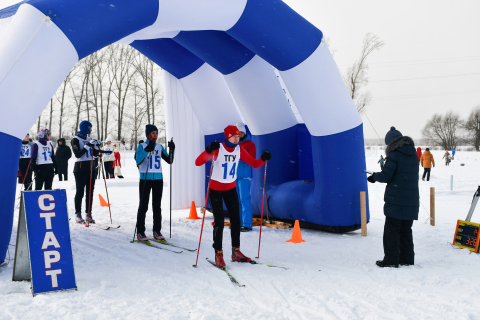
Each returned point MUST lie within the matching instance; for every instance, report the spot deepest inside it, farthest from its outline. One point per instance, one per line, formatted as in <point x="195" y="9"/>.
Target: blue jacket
<point x="400" y="172"/>
<point x="244" y="170"/>
<point x="453" y="151"/>
<point x="140" y="156"/>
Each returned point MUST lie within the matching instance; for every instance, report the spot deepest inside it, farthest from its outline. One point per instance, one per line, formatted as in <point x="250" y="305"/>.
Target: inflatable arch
<point x="223" y="61"/>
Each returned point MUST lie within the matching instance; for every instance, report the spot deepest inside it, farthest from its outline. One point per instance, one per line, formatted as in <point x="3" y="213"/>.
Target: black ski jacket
<point x="63" y="153"/>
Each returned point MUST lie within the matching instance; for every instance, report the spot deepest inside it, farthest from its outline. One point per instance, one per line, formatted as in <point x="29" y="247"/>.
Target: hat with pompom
<point x="392" y="135"/>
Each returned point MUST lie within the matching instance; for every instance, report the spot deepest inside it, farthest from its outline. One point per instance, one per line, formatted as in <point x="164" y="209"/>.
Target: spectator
<point x="426" y="162"/>
<point x="381" y="161"/>
<point x="63" y="153"/>
<point x="419" y="153"/>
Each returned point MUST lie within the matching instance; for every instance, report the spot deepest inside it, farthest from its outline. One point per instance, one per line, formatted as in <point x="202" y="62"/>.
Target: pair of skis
<point x="164" y="242"/>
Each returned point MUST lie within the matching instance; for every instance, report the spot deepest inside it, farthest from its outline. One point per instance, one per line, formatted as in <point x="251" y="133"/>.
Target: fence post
<point x="432" y="206"/>
<point x="363" y="212"/>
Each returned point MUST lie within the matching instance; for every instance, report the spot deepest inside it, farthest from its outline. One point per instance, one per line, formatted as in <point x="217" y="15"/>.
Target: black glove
<point x="89" y="144"/>
<point x="150" y="147"/>
<point x="171" y="146"/>
<point x="55" y="170"/>
<point x="33" y="167"/>
<point x="214" y="145"/>
<point x="266" y="155"/>
<point x="95" y="152"/>
<point x="370" y="179"/>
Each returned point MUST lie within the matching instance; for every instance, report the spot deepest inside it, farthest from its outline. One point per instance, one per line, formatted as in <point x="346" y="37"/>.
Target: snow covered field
<point x="331" y="276"/>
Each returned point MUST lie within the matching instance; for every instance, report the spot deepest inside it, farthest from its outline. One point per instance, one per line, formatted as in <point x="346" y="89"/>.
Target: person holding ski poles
<point x="226" y="157"/>
<point x="43" y="161"/>
<point x="24" y="166"/>
<point x="86" y="150"/>
<point x="148" y="157"/>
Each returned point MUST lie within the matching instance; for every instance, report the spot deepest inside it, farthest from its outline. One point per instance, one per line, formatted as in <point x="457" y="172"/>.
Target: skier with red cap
<point x="226" y="157"/>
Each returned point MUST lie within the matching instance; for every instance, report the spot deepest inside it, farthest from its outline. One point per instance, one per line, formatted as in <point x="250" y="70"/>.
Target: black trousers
<point x="398" y="241"/>
<point x="230" y="197"/>
<point x="23" y="167"/>
<point x="145" y="187"/>
<point x="62" y="173"/>
<point x="109" y="170"/>
<point x="82" y="183"/>
<point x="426" y="171"/>
<point x="44" y="176"/>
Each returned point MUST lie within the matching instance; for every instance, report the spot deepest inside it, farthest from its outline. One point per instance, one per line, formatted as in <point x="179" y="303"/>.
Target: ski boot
<point x="90" y="219"/>
<point x="158" y="235"/>
<point x="141" y="236"/>
<point x="382" y="264"/>
<point x="219" y="259"/>
<point x="245" y="229"/>
<point x="78" y="218"/>
<point x="238" y="256"/>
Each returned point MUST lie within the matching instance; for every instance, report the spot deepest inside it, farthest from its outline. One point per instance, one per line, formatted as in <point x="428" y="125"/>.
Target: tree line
<point x="117" y="89"/>
<point x="450" y="130"/>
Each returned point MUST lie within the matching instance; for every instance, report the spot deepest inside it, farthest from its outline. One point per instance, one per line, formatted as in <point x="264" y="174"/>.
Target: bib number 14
<point x="232" y="171"/>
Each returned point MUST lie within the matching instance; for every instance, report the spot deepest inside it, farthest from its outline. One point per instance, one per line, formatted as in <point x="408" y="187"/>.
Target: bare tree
<point x="472" y="128"/>
<point x="442" y="130"/>
<point x="51" y="115"/>
<point x="356" y="77"/>
<point x="61" y="96"/>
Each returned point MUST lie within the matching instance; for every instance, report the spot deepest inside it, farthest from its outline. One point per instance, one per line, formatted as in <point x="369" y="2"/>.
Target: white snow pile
<point x="330" y="276"/>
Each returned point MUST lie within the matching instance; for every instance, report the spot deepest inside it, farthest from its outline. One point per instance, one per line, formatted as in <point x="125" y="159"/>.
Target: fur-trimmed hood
<point x="402" y="144"/>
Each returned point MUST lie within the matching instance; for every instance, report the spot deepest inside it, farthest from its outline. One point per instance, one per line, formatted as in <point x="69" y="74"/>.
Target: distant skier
<point x="24" y="166"/>
<point x="149" y="159"/>
<point x="226" y="157"/>
<point x="453" y="153"/>
<point x="447" y="158"/>
<point x="109" y="159"/>
<point x="382" y="162"/>
<point x="427" y="162"/>
<point x="419" y="153"/>
<point x="63" y="154"/>
<point x="43" y="161"/>
<point x="401" y="199"/>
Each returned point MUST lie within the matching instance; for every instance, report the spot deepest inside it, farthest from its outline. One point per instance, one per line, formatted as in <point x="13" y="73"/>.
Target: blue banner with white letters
<point x="51" y="257"/>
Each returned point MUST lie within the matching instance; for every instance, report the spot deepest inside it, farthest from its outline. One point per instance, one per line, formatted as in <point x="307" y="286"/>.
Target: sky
<point x="430" y="62"/>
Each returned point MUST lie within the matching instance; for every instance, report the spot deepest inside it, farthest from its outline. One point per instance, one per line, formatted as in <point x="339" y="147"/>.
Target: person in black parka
<point x="63" y="153"/>
<point x="402" y="199"/>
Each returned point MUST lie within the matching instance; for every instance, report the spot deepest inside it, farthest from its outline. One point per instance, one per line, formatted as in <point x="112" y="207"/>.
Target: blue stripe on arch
<point x="170" y="56"/>
<point x="10" y="11"/>
<point x="275" y="32"/>
<point x="216" y="48"/>
<point x="94" y="24"/>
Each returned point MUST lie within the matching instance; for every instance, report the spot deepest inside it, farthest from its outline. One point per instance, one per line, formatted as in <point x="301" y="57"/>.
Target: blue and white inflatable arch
<point x="219" y="58"/>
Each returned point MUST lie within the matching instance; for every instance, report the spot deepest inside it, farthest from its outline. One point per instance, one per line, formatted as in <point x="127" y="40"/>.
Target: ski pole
<point x="141" y="196"/>
<point x="261" y="217"/>
<point x="90" y="193"/>
<point x="171" y="162"/>
<point x="204" y="212"/>
<point x="106" y="190"/>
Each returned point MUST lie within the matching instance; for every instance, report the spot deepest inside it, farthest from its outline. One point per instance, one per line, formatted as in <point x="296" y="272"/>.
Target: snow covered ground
<point x="331" y="276"/>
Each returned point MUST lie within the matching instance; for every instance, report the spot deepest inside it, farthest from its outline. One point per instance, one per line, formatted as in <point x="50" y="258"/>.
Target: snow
<point x="331" y="276"/>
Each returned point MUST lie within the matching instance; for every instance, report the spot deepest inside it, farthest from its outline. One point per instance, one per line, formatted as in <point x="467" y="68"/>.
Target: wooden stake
<point x="363" y="212"/>
<point x="432" y="206"/>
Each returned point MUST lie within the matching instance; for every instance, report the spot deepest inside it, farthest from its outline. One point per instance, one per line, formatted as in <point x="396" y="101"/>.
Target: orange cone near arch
<point x="193" y="212"/>
<point x="103" y="203"/>
<point x="296" y="234"/>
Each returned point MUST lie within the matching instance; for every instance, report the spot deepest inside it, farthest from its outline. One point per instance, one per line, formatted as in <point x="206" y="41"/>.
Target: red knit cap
<point x="231" y="131"/>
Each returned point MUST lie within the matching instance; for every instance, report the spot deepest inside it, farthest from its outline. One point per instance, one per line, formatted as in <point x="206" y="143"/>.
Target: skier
<point x="244" y="178"/>
<point x="226" y="157"/>
<point x="419" y="153"/>
<point x="426" y="162"/>
<point x="381" y="161"/>
<point x="86" y="150"/>
<point x="453" y="153"/>
<point x="401" y="199"/>
<point x="446" y="156"/>
<point x="24" y="166"/>
<point x="43" y="161"/>
<point x="109" y="159"/>
<point x="149" y="156"/>
<point x="63" y="153"/>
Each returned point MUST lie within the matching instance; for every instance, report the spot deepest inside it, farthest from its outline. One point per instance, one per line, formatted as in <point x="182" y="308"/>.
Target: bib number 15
<point x="232" y="171"/>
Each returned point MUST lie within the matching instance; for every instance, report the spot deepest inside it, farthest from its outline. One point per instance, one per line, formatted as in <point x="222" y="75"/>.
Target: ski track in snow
<point x="331" y="276"/>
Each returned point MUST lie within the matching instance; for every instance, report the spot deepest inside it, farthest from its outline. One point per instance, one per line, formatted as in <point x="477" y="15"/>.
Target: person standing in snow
<point x="446" y="156"/>
<point x="63" y="153"/>
<point x="24" y="166"/>
<point x="382" y="162"/>
<point x="419" y="153"/>
<point x="226" y="157"/>
<point x="43" y="161"/>
<point x="427" y="161"/>
<point x="244" y="179"/>
<point x="149" y="157"/>
<point x="453" y="153"/>
<point x="109" y="159"/>
<point x="402" y="199"/>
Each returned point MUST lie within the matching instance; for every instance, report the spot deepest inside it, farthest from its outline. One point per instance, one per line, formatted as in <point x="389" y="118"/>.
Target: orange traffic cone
<point x="103" y="203"/>
<point x="193" y="212"/>
<point x="296" y="234"/>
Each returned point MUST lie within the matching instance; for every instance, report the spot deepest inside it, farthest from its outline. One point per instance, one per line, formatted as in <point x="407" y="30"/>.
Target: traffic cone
<point x="296" y="234"/>
<point x="193" y="212"/>
<point x="103" y="203"/>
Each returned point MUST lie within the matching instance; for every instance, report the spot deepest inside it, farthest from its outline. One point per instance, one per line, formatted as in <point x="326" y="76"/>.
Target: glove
<point x="88" y="145"/>
<point x="171" y="146"/>
<point x="214" y="145"/>
<point x="266" y="155"/>
<point x="33" y="167"/>
<point x="95" y="152"/>
<point x="150" y="147"/>
<point x="55" y="170"/>
<point x="370" y="179"/>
